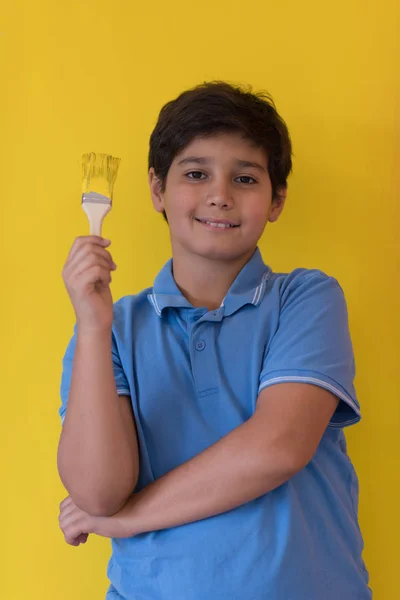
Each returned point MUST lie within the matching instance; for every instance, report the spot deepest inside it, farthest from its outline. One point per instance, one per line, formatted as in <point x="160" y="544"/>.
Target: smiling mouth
<point x="217" y="224"/>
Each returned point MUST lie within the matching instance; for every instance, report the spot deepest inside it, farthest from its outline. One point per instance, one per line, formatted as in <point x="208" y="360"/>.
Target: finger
<point x="75" y="522"/>
<point x="81" y="539"/>
<point x="69" y="516"/>
<point x="83" y="257"/>
<point x="82" y="241"/>
<point x="88" y="249"/>
<point x="71" y="541"/>
<point x="92" y="261"/>
<point x="74" y="526"/>
<point x="65" y="512"/>
<point x="76" y="268"/>
<point x="91" y="277"/>
<point x="65" y="502"/>
<point x="72" y="531"/>
<point x="87" y="239"/>
<point x="85" y="252"/>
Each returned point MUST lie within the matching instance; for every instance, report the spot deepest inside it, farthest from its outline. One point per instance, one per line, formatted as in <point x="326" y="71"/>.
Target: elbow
<point x="98" y="497"/>
<point x="100" y="503"/>
<point x="105" y="504"/>
<point x="99" y="507"/>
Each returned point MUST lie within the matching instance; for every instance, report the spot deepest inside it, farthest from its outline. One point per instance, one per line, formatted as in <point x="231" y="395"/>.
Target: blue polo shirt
<point x="193" y="376"/>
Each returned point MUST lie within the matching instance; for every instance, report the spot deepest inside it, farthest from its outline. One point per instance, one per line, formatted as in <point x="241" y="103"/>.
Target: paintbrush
<point x="99" y="172"/>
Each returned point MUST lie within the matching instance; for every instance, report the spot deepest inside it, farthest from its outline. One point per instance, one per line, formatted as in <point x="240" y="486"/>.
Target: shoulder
<point x="301" y="277"/>
<point x="126" y="304"/>
<point x="302" y="283"/>
<point x="132" y="308"/>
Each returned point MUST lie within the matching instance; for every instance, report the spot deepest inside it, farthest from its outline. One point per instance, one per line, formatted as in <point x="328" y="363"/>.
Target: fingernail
<point x="114" y="266"/>
<point x="105" y="241"/>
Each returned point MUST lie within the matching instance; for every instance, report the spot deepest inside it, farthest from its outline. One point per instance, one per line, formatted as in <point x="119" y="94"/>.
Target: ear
<point x="278" y="204"/>
<point x="157" y="196"/>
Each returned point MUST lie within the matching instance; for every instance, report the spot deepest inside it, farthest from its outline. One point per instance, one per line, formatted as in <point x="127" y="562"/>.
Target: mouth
<point x="218" y="224"/>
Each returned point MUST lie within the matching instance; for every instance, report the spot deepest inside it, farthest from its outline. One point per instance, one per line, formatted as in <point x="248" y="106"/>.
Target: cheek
<point x="181" y="204"/>
<point x="258" y="216"/>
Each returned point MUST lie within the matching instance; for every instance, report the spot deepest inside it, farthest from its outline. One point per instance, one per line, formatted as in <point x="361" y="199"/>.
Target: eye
<point x="246" y="179"/>
<point x="195" y="175"/>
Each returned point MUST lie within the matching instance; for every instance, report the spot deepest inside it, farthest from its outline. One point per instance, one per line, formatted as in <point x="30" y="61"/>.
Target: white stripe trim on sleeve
<point x="123" y="392"/>
<point x="315" y="381"/>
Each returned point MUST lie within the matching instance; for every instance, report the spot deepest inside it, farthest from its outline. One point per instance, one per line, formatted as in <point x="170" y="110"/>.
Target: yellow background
<point x="91" y="76"/>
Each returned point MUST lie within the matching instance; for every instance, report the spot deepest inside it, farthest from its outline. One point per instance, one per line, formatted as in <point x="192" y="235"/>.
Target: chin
<point x="217" y="252"/>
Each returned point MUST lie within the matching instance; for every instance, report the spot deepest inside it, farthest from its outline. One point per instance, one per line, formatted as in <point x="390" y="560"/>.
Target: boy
<point x="218" y="396"/>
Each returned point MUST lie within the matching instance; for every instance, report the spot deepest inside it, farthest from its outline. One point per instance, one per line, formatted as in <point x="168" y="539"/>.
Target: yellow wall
<point x="91" y="76"/>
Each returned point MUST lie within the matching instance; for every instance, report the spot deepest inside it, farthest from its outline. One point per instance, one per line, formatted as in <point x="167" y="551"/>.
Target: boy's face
<point x="218" y="198"/>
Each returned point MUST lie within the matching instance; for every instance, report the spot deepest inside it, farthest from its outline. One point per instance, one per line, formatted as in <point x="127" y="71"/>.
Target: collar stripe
<point x="260" y="288"/>
<point x="152" y="299"/>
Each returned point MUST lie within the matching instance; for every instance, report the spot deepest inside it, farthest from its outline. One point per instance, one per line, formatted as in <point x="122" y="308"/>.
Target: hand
<point x="87" y="277"/>
<point x="76" y="524"/>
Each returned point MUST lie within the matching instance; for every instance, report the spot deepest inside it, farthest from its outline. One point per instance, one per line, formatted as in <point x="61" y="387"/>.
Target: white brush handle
<point x="96" y="213"/>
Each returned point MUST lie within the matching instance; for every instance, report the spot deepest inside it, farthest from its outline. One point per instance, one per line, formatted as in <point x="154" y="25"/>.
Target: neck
<point x="205" y="282"/>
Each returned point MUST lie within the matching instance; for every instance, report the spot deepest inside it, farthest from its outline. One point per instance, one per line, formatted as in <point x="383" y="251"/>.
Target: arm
<point x="256" y="457"/>
<point x="98" y="454"/>
<point x="97" y="457"/>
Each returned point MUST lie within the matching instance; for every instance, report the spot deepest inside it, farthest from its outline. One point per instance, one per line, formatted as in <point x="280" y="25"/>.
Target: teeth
<point x="222" y="225"/>
<point x="214" y="224"/>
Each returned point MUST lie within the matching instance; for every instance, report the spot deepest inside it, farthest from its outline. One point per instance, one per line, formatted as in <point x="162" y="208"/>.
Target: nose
<point x="220" y="195"/>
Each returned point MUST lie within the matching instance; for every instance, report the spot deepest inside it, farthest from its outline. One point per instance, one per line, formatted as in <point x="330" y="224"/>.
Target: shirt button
<point x="200" y="345"/>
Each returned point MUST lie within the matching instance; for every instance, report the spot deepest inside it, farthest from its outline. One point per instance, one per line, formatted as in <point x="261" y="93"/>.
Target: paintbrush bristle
<point x="99" y="172"/>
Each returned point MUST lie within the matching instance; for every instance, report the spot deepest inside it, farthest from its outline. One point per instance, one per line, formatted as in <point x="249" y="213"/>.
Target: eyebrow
<point x="203" y="160"/>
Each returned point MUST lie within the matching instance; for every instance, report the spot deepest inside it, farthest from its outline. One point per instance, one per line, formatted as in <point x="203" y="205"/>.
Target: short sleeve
<point x="312" y="343"/>
<point x="119" y="374"/>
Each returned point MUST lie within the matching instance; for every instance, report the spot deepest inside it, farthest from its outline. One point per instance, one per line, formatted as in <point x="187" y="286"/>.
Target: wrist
<point x="101" y="526"/>
<point x="114" y="527"/>
<point x="124" y="524"/>
<point x="90" y="334"/>
<point x="127" y="518"/>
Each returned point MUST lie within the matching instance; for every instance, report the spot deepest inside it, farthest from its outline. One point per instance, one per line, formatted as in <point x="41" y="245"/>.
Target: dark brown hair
<point x="219" y="107"/>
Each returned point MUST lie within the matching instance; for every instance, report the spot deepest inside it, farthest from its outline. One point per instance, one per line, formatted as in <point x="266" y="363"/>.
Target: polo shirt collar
<point x="248" y="288"/>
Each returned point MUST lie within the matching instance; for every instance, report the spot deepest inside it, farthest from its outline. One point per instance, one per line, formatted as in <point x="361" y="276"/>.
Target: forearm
<point x="234" y="471"/>
<point x="279" y="440"/>
<point x="98" y="457"/>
